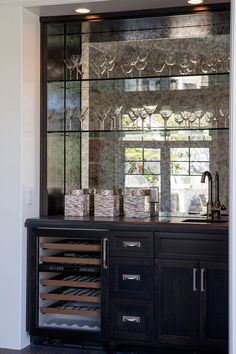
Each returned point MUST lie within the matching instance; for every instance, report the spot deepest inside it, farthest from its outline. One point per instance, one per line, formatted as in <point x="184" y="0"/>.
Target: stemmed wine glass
<point x="209" y="115"/>
<point x="141" y="64"/>
<point x="102" y="116"/>
<point x="70" y="66"/>
<point x="178" y="118"/>
<point x="128" y="67"/>
<point x="77" y="62"/>
<point x="194" y="60"/>
<point x="228" y="64"/>
<point x="99" y="69"/>
<point x="140" y="113"/>
<point x="159" y="63"/>
<point x="109" y="64"/>
<point x="165" y="112"/>
<point x="81" y="115"/>
<point x="170" y="61"/>
<point x="150" y="110"/>
<point x="114" y="115"/>
<point x="220" y="59"/>
<point x="211" y="62"/>
<point x="199" y="113"/>
<point x="185" y="114"/>
<point x="192" y="118"/>
<point x="204" y="64"/>
<point x="224" y="113"/>
<point x="133" y="117"/>
<point x="184" y="64"/>
<point x="71" y="114"/>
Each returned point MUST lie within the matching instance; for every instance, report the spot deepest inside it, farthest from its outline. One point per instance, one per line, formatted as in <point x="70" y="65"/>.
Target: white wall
<point x="19" y="160"/>
<point x="30" y="128"/>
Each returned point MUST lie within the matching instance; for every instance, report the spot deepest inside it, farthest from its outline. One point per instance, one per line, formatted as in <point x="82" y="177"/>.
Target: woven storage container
<point x="107" y="203"/>
<point x="78" y="203"/>
<point x="137" y="203"/>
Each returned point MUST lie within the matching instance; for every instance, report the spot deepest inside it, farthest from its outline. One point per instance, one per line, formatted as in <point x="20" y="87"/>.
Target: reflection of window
<point x="189" y="161"/>
<point x="142" y="167"/>
<point x="187" y="164"/>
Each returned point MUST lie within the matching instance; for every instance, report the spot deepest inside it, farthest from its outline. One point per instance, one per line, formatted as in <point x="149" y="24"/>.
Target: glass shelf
<point x="130" y="131"/>
<point x="160" y="77"/>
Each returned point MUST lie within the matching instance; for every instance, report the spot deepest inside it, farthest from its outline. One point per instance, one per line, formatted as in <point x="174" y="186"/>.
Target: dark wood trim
<point x="43" y="123"/>
<point x="139" y="13"/>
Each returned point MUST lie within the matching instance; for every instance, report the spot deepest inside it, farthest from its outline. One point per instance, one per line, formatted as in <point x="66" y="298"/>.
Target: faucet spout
<point x="217" y="190"/>
<point x="210" y="201"/>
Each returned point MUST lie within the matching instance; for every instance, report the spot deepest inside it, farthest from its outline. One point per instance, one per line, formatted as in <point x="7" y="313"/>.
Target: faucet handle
<point x="215" y="214"/>
<point x="217" y="205"/>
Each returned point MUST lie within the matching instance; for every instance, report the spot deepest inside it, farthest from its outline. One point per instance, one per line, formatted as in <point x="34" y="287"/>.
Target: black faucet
<point x="213" y="209"/>
<point x="210" y="201"/>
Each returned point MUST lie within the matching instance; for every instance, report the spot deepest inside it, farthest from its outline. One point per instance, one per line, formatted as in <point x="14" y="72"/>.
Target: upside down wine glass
<point x="114" y="115"/>
<point x="165" y="112"/>
<point x="186" y="114"/>
<point x="170" y="61"/>
<point x="199" y="113"/>
<point x="81" y="116"/>
<point x="102" y="116"/>
<point x="70" y="66"/>
<point x="140" y="113"/>
<point x="128" y="67"/>
<point x="77" y="62"/>
<point x="150" y="110"/>
<point x="224" y="113"/>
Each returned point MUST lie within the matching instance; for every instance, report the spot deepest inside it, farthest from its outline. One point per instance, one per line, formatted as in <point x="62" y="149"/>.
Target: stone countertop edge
<point x="154" y="224"/>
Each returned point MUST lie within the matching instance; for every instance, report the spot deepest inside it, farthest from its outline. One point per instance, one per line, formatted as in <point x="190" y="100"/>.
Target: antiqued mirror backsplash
<point x="139" y="103"/>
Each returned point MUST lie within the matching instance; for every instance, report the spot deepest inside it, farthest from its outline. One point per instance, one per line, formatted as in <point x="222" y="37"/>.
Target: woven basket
<point x="78" y="203"/>
<point x="137" y="203"/>
<point x="107" y="203"/>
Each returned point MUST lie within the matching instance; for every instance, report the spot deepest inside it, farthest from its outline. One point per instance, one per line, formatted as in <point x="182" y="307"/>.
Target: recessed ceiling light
<point x="82" y="11"/>
<point x="195" y="2"/>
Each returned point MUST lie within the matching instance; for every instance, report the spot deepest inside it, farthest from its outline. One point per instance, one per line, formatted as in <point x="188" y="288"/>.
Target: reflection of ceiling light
<point x="195" y="2"/>
<point x="82" y="11"/>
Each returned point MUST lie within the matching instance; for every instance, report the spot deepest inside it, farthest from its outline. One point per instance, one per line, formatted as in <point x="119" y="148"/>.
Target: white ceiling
<point x="60" y="7"/>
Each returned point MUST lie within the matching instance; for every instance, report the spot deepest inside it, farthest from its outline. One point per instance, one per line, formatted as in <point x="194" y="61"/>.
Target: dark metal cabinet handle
<point x="132" y="319"/>
<point x="203" y="276"/>
<point x="132" y="244"/>
<point x="194" y="279"/>
<point x="131" y="277"/>
<point x="105" y="240"/>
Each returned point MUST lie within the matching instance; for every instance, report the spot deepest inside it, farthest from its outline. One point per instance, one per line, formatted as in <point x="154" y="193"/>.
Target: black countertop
<point x="161" y="223"/>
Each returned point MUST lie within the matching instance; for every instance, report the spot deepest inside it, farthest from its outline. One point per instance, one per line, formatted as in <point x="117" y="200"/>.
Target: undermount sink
<point x="221" y="221"/>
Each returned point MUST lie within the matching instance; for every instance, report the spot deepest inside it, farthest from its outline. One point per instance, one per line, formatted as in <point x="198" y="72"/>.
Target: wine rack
<point x="70" y="286"/>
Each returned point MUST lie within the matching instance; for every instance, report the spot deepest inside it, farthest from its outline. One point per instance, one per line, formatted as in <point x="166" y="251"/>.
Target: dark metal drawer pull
<point x="132" y="244"/>
<point x="132" y="319"/>
<point x="131" y="277"/>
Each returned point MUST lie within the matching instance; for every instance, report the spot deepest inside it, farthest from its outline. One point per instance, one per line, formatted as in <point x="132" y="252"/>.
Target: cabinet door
<point x="214" y="305"/>
<point x="176" y="307"/>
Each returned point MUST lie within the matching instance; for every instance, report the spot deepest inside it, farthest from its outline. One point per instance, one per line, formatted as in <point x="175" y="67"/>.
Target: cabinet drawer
<point x="191" y="246"/>
<point x="131" y="278"/>
<point x="132" y="319"/>
<point x="131" y="244"/>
